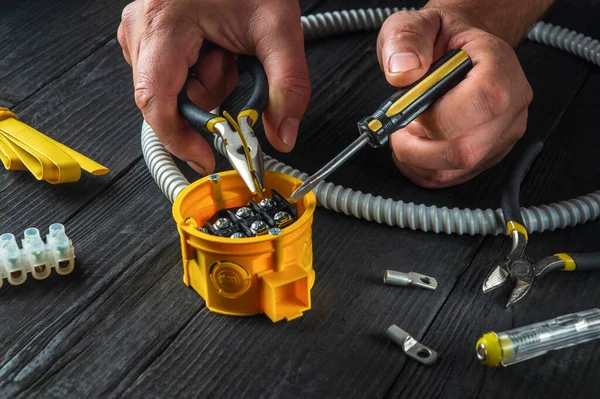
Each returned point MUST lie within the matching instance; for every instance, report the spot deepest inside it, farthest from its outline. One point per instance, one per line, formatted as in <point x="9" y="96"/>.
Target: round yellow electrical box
<point x="270" y="273"/>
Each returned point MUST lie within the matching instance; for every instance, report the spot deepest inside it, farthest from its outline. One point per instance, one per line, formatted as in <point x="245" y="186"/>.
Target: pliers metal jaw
<point x="244" y="153"/>
<point x="517" y="270"/>
<point x="241" y="145"/>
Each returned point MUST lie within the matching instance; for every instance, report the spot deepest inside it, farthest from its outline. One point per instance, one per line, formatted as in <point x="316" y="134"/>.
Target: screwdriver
<point x="397" y="111"/>
<point x="524" y="343"/>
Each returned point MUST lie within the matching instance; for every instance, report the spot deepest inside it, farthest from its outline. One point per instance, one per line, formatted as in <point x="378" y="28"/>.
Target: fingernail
<point x="197" y="168"/>
<point x="404" y="62"/>
<point x="288" y="130"/>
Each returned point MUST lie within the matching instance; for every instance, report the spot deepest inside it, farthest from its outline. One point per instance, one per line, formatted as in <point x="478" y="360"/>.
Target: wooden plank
<point x="117" y="264"/>
<point x="567" y="168"/>
<point x="128" y="308"/>
<point x="91" y="110"/>
<point x="45" y="38"/>
<point x="124" y="323"/>
<point x="351" y="307"/>
<point x="569" y="152"/>
<point x="347" y="299"/>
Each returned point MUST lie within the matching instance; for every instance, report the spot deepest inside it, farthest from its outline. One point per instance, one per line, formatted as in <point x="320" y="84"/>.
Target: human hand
<point x="478" y="122"/>
<point x="162" y="39"/>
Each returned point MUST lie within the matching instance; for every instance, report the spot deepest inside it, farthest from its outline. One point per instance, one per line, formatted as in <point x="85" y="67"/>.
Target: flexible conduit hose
<point x="385" y="210"/>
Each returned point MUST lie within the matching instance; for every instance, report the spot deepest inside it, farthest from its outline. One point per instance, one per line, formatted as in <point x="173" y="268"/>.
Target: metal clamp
<point x="410" y="346"/>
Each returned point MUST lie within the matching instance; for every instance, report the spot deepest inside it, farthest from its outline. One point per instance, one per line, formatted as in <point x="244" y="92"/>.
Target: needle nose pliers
<point x="241" y="145"/>
<point x="517" y="270"/>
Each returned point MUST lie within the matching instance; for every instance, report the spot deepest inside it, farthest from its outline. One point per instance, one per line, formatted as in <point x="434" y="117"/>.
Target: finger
<point x="130" y="32"/>
<point x="405" y="45"/>
<point x="463" y="152"/>
<point x="428" y="177"/>
<point x="215" y="77"/>
<point x="166" y="52"/>
<point x="494" y="86"/>
<point x="122" y="39"/>
<point x="280" y="48"/>
<point x="446" y="178"/>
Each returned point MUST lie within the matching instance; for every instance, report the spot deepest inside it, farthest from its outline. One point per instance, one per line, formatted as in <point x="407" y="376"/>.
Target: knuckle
<point x="404" y="150"/>
<point x="461" y="154"/>
<point x="527" y="94"/>
<point x="122" y="36"/>
<point x="156" y="17"/>
<point x="496" y="97"/>
<point x="129" y="13"/>
<point x="433" y="179"/>
<point x="295" y="84"/>
<point x="409" y="21"/>
<point x="144" y="92"/>
<point x="519" y="132"/>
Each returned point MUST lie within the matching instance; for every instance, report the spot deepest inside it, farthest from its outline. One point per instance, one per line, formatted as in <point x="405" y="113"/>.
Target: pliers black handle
<point x="569" y="262"/>
<point x="241" y="145"/>
<point x="511" y="192"/>
<point x="200" y="119"/>
<point x="517" y="268"/>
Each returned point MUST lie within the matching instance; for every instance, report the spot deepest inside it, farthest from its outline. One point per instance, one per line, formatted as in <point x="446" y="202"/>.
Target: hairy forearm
<point x="507" y="19"/>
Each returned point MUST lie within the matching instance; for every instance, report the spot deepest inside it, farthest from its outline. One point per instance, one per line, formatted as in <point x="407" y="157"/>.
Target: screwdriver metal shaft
<point x="330" y="167"/>
<point x="397" y="111"/>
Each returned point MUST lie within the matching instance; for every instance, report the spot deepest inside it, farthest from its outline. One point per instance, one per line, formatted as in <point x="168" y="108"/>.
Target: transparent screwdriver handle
<point x="527" y="342"/>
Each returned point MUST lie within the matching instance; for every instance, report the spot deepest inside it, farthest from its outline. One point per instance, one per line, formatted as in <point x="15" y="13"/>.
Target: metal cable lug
<point x="410" y="346"/>
<point x="405" y="279"/>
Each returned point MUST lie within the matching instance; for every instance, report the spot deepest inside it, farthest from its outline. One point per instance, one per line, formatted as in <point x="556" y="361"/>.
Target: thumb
<point x="405" y="46"/>
<point x="281" y="51"/>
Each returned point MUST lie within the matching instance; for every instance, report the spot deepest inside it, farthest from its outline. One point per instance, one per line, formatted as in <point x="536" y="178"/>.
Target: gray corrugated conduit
<point x="386" y="210"/>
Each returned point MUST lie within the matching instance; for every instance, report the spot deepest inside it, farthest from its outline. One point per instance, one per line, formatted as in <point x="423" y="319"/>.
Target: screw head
<point x="281" y="217"/>
<point x="274" y="231"/>
<point x="203" y="230"/>
<point x="258" y="226"/>
<point x="243" y="212"/>
<point x="222" y="223"/>
<point x="238" y="235"/>
<point x="214" y="177"/>
<point x="266" y="203"/>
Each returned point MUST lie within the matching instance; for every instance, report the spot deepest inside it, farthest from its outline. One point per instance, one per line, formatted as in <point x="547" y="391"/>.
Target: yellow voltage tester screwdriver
<point x="524" y="343"/>
<point x="398" y="110"/>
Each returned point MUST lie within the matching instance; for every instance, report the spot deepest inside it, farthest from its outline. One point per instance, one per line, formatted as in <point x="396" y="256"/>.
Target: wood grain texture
<point x="44" y="38"/>
<point x="91" y="110"/>
<point x="123" y="324"/>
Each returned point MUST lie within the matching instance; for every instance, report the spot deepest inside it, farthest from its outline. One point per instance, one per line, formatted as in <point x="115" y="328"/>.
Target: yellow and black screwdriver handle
<point x="406" y="104"/>
<point x="200" y="119"/>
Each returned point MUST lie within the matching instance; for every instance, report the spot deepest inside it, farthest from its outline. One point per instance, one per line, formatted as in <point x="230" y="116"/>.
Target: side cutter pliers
<point x="517" y="270"/>
<point x="241" y="145"/>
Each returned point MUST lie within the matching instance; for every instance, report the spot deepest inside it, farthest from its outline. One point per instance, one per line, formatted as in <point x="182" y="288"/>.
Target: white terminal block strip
<point x="35" y="256"/>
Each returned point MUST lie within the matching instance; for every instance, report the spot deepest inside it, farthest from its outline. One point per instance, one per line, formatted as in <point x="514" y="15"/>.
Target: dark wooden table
<point x="124" y="324"/>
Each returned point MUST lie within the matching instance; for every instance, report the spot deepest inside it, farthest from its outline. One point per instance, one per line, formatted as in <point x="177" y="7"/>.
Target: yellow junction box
<point x="271" y="274"/>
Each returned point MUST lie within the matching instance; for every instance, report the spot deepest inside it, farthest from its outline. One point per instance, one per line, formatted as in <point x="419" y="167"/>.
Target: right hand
<point x="162" y="39"/>
<point x="476" y="124"/>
